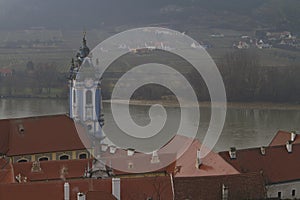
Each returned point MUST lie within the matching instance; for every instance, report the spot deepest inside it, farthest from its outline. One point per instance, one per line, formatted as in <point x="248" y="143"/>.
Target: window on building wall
<point x="43" y="158"/>
<point x="293" y="193"/>
<point x="82" y="156"/>
<point x="74" y="96"/>
<point x="90" y="127"/>
<point x="88" y="97"/>
<point x="22" y="160"/>
<point x="279" y="195"/>
<point x="64" y="157"/>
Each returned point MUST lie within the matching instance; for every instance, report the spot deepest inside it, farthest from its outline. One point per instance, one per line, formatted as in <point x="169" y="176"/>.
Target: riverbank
<point x="251" y="105"/>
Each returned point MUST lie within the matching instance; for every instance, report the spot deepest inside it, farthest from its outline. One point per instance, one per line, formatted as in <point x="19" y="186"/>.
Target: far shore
<point x="251" y="105"/>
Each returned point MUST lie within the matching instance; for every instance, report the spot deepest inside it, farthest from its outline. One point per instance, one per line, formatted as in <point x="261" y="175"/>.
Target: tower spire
<point x="84" y="39"/>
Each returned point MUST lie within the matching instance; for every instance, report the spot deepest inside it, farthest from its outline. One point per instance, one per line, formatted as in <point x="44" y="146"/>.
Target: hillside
<point x="76" y="14"/>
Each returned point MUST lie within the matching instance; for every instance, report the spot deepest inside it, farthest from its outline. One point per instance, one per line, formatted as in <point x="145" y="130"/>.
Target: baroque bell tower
<point x="85" y="102"/>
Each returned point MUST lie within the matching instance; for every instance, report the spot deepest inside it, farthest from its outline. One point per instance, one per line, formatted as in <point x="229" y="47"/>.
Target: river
<point x="245" y="126"/>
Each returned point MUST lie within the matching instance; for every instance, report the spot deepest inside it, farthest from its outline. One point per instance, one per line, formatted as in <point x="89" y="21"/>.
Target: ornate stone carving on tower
<point x="85" y="102"/>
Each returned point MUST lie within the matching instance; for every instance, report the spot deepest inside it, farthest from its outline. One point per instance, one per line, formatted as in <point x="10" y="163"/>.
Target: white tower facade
<point x="85" y="102"/>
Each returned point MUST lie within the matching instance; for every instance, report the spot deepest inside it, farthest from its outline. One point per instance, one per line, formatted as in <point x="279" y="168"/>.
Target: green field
<point x="61" y="54"/>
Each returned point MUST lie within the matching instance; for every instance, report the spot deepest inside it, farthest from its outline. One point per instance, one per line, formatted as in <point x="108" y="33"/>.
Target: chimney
<point x="293" y="135"/>
<point x="263" y="150"/>
<point x="224" y="192"/>
<point x="66" y="191"/>
<point x="104" y="147"/>
<point x="198" y="160"/>
<point x="80" y="196"/>
<point x="232" y="153"/>
<point x="116" y="187"/>
<point x="155" y="158"/>
<point x="112" y="149"/>
<point x="289" y="146"/>
<point x="130" y="152"/>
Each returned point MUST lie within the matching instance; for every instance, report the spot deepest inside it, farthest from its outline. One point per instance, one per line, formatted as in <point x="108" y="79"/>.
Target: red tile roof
<point x="159" y="187"/>
<point x="184" y="166"/>
<point x="6" y="171"/>
<point x="41" y="134"/>
<point x="5" y="71"/>
<point x="131" y="188"/>
<point x="99" y="195"/>
<point x="277" y="164"/>
<point x="52" y="170"/>
<point x="212" y="164"/>
<point x="122" y="164"/>
<point x="52" y="189"/>
<point x="241" y="186"/>
<point x="4" y="136"/>
<point x="282" y="137"/>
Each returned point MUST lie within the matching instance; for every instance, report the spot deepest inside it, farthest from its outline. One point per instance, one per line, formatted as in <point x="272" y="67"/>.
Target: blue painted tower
<point x="85" y="102"/>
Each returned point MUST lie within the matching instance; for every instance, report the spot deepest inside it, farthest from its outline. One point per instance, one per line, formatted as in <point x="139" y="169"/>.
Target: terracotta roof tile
<point x="159" y="187"/>
<point x="5" y="71"/>
<point x="277" y="164"/>
<point x="41" y="134"/>
<point x="52" y="189"/>
<point x="52" y="170"/>
<point x="4" y="136"/>
<point x="212" y="164"/>
<point x="282" y="137"/>
<point x="99" y="195"/>
<point x="131" y="188"/>
<point x="241" y="186"/>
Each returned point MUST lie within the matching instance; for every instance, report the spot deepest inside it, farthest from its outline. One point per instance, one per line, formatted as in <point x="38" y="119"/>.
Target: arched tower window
<point x="74" y="96"/>
<point x="89" y="97"/>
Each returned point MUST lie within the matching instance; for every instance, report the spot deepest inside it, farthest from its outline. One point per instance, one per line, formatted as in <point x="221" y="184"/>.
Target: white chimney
<point x="198" y="160"/>
<point x="104" y="147"/>
<point x="263" y="150"/>
<point x="293" y="135"/>
<point x="112" y="149"/>
<point x="116" y="187"/>
<point x="224" y="192"/>
<point x="130" y="152"/>
<point x="66" y="191"/>
<point x="289" y="146"/>
<point x="80" y="196"/>
<point x="155" y="158"/>
<point x="232" y="153"/>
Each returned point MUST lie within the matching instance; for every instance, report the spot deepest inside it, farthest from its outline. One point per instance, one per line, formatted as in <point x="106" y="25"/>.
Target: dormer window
<point x="22" y="160"/>
<point x="64" y="157"/>
<point x="83" y="156"/>
<point x="43" y="158"/>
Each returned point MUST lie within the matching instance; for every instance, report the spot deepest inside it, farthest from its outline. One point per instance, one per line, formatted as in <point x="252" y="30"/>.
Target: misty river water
<point x="244" y="126"/>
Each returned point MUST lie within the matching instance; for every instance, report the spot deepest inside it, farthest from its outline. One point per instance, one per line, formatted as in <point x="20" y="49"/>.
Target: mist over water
<point x="244" y="127"/>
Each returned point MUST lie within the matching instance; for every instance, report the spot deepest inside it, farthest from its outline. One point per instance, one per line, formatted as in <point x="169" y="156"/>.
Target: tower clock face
<point x="88" y="83"/>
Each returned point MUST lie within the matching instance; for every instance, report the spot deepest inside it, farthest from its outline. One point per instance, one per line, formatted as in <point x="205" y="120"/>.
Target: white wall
<point x="285" y="189"/>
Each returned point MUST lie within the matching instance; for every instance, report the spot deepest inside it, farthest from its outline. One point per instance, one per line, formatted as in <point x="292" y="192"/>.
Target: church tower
<point x="85" y="102"/>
